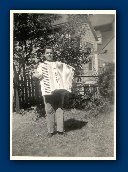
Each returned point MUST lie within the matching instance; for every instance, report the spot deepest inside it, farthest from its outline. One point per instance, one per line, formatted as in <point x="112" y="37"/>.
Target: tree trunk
<point x="17" y="101"/>
<point x="16" y="87"/>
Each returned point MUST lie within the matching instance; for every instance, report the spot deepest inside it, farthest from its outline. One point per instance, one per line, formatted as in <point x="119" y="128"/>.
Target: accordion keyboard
<point x="56" y="75"/>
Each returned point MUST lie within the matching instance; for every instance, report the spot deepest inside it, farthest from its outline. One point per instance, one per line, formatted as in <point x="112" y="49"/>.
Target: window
<point x="90" y="65"/>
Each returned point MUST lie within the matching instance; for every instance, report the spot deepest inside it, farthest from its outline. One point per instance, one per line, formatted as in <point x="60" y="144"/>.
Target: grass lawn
<point x="87" y="136"/>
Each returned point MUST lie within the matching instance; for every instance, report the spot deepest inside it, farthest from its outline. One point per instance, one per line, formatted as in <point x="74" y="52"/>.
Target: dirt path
<point x="88" y="136"/>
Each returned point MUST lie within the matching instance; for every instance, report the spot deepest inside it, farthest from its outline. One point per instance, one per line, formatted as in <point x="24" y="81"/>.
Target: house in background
<point x="100" y="37"/>
<point x="88" y="40"/>
<point x="104" y="26"/>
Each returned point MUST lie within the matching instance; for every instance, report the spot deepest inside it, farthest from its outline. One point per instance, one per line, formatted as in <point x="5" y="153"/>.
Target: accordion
<point x="56" y="76"/>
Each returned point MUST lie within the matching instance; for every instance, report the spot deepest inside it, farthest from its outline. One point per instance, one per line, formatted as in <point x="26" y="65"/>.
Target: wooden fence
<point x="30" y="91"/>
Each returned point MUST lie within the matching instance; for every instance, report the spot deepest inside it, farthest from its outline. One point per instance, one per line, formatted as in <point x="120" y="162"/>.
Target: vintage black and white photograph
<point x="63" y="85"/>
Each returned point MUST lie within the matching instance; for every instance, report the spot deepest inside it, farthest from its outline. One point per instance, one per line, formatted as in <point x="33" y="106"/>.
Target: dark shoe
<point x="50" y="134"/>
<point x="62" y="133"/>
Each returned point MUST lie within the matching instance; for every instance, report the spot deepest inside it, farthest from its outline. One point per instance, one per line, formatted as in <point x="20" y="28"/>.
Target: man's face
<point x="49" y="54"/>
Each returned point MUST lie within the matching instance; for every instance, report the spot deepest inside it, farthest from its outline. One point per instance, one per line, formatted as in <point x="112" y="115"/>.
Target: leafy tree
<point x="67" y="42"/>
<point x="32" y="32"/>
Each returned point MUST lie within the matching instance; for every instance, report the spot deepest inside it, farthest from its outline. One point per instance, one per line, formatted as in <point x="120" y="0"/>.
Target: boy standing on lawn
<point x="53" y="103"/>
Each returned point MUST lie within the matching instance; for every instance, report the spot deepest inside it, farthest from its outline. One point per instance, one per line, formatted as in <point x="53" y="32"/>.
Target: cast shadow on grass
<point x="72" y="124"/>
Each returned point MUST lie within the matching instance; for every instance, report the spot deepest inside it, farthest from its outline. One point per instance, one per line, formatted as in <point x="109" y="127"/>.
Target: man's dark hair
<point x="48" y="47"/>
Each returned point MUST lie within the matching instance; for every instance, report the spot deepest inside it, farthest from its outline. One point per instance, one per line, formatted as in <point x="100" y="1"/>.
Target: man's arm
<point x="38" y="73"/>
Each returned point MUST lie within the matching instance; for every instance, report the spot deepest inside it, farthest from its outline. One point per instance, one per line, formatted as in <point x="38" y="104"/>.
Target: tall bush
<point x="106" y="83"/>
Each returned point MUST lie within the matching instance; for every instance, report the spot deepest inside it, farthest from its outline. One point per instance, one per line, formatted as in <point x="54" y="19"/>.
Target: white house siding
<point x="87" y="37"/>
<point x="88" y="40"/>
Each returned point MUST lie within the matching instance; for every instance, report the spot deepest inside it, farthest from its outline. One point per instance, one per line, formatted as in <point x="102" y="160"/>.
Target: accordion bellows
<point x="56" y="75"/>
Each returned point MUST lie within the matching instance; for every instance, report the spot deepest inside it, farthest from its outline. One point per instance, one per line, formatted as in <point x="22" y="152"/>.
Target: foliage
<point x="106" y="83"/>
<point x="67" y="42"/>
<point x="88" y="104"/>
<point x="33" y="32"/>
<point x="96" y="100"/>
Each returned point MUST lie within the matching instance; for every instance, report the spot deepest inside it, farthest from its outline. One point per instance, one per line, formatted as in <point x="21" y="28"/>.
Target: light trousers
<point x="54" y="112"/>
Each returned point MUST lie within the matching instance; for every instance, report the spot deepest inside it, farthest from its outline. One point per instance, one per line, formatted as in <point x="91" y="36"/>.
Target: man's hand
<point x="36" y="75"/>
<point x="41" y="77"/>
